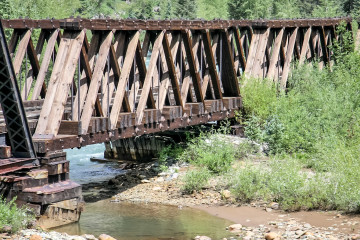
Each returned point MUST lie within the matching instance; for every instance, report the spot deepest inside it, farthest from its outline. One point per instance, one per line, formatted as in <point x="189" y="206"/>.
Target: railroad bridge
<point x="75" y="82"/>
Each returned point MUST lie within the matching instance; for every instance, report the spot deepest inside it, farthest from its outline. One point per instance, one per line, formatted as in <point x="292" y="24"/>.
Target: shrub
<point x="195" y="180"/>
<point x="14" y="217"/>
<point x="247" y="183"/>
<point x="210" y="152"/>
<point x="259" y="96"/>
<point x="166" y="153"/>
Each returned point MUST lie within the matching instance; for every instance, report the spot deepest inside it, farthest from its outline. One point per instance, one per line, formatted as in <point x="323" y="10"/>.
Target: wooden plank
<point x="69" y="128"/>
<point x="252" y="53"/>
<point x="288" y="58"/>
<point x="305" y="46"/>
<point x="34" y="69"/>
<point x="114" y="77"/>
<point x="95" y="82"/>
<point x="124" y="78"/>
<point x="171" y="68"/>
<point x="86" y="74"/>
<point x="14" y="41"/>
<point x="45" y="64"/>
<point x="186" y="72"/>
<point x="141" y="67"/>
<point x="19" y="56"/>
<point x="192" y="66"/>
<point x="229" y="76"/>
<point x="275" y="54"/>
<point x="210" y="51"/>
<point x="326" y="58"/>
<point x="240" y="50"/>
<point x="260" y="53"/>
<point x="119" y="47"/>
<point x="165" y="78"/>
<point x="141" y="73"/>
<point x="56" y="75"/>
<point x="149" y="75"/>
<point x="65" y="82"/>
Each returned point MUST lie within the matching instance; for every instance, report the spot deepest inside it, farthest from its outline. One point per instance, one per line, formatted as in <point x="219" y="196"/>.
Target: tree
<point x="285" y="9"/>
<point x="167" y="9"/>
<point x="210" y="9"/>
<point x="142" y="9"/>
<point x="328" y="8"/>
<point x="186" y="9"/>
<point x="250" y="9"/>
<point x="5" y="9"/>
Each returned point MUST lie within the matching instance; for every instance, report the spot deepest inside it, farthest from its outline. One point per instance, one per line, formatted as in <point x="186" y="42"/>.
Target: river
<point x="133" y="220"/>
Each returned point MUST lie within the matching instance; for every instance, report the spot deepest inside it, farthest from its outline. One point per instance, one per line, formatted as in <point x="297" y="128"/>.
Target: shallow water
<point x="82" y="170"/>
<point x="128" y="221"/>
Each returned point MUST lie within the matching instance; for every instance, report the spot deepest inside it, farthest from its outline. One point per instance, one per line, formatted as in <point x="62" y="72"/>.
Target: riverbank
<point x="162" y="184"/>
<point x="257" y="219"/>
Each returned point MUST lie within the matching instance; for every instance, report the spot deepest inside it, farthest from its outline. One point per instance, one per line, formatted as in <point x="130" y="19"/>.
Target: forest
<point x="179" y="9"/>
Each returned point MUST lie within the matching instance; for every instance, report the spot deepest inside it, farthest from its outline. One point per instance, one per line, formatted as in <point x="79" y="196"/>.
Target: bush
<point x="14" y="217"/>
<point x="210" y="152"/>
<point x="195" y="180"/>
<point x="281" y="181"/>
<point x="259" y="96"/>
<point x="315" y="125"/>
<point x="169" y="152"/>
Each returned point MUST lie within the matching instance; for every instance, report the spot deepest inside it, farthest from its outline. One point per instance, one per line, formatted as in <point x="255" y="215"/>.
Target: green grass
<point x="12" y="217"/>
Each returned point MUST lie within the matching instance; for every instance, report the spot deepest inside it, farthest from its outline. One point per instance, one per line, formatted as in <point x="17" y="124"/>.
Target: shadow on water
<point x="128" y="221"/>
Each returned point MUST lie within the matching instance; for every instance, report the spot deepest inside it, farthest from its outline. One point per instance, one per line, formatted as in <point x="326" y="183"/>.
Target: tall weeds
<point x="315" y="125"/>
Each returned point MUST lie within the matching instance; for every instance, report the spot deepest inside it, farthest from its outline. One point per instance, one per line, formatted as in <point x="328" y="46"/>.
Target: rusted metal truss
<point x="135" y="77"/>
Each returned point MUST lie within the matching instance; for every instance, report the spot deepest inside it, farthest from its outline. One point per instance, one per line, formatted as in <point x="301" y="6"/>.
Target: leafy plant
<point x="13" y="217"/>
<point x="195" y="180"/>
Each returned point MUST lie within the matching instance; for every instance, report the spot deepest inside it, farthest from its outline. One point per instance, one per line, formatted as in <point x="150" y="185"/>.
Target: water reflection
<point x="127" y="221"/>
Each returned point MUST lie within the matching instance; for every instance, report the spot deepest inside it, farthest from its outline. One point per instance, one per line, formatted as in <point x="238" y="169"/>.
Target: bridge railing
<point x="84" y="75"/>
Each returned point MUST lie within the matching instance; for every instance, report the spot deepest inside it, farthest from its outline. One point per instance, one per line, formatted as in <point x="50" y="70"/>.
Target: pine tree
<point x="250" y="9"/>
<point x="142" y="9"/>
<point x="285" y="9"/>
<point x="328" y="8"/>
<point x="186" y="9"/>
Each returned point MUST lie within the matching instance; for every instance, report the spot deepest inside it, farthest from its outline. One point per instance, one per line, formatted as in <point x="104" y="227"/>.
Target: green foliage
<point x="210" y="152"/>
<point x="195" y="180"/>
<point x="172" y="9"/>
<point x="254" y="9"/>
<point x="142" y="9"/>
<point x="250" y="9"/>
<point x="246" y="183"/>
<point x="38" y="9"/>
<point x="14" y="217"/>
<point x="210" y="9"/>
<point x="170" y="152"/>
<point x="259" y="97"/>
<point x="315" y="129"/>
<point x="328" y="8"/>
<point x="281" y="181"/>
<point x="186" y="9"/>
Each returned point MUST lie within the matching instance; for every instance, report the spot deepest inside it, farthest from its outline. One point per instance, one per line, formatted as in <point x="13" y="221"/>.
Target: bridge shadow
<point x="135" y="173"/>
